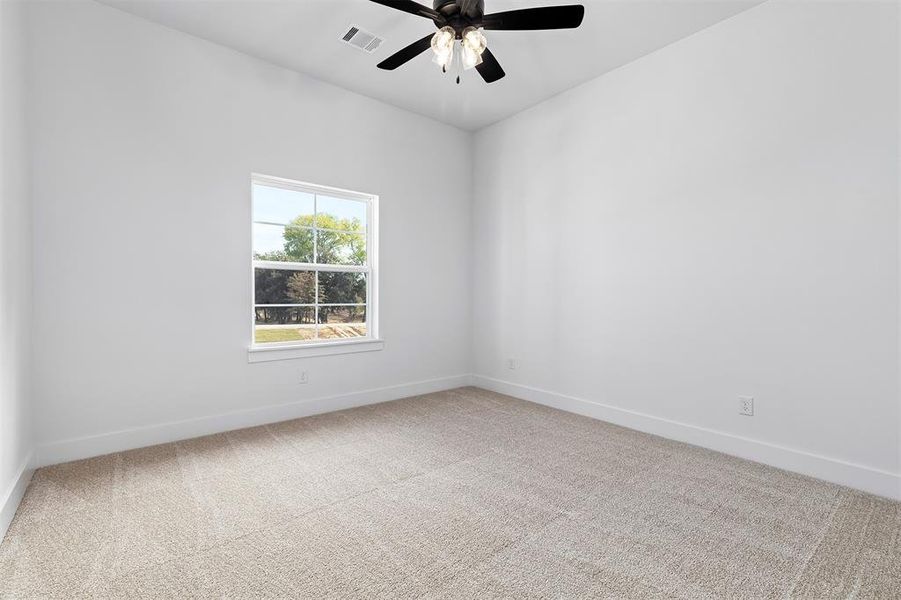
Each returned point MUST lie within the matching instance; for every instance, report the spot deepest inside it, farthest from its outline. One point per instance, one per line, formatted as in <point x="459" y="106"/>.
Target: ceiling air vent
<point x="359" y="38"/>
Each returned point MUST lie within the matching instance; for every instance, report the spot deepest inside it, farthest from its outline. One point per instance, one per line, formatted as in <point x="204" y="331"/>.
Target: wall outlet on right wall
<point x="746" y="405"/>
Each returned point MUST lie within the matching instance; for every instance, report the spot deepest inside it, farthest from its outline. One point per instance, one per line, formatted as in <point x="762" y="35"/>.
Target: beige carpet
<point x="460" y="494"/>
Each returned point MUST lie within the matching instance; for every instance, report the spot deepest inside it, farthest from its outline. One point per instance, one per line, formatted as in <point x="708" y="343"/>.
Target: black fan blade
<point x="548" y="17"/>
<point x="489" y="68"/>
<point x="408" y="53"/>
<point x="414" y="8"/>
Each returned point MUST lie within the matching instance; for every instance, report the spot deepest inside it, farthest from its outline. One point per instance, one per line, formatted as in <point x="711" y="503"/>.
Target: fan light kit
<point x="460" y="43"/>
<point x="465" y="55"/>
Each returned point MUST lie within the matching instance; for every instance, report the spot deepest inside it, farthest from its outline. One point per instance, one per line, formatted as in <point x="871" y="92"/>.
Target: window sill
<point x="257" y="354"/>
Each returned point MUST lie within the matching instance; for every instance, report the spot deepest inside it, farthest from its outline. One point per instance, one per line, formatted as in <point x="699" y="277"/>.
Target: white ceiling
<point x="304" y="35"/>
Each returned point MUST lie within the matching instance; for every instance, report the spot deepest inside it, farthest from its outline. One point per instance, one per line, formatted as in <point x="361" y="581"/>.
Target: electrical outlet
<point x="746" y="406"/>
<point x="512" y="364"/>
<point x="303" y="378"/>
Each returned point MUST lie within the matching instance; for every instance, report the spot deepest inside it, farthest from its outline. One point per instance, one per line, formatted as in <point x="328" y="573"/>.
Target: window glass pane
<point x="297" y="245"/>
<point x="338" y="213"/>
<point x="277" y="286"/>
<point x="342" y="288"/>
<point x="343" y="315"/>
<point x="282" y="244"/>
<point x="284" y="207"/>
<point x="342" y="322"/>
<point x="268" y="240"/>
<point x="284" y="324"/>
<point x="341" y="248"/>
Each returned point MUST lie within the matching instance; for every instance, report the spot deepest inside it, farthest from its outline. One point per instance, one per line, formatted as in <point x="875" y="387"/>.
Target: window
<point x="314" y="280"/>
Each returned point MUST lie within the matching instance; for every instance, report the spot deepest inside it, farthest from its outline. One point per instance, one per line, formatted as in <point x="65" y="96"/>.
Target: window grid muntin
<point x="325" y="304"/>
<point x="312" y="227"/>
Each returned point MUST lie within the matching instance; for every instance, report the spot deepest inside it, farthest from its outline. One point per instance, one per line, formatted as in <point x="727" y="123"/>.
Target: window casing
<point x="314" y="281"/>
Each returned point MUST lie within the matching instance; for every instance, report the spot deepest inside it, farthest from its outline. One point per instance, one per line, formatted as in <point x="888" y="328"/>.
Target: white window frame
<point x="293" y="349"/>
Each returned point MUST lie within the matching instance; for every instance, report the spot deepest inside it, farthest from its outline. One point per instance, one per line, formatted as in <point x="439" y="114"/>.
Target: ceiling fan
<point x="465" y="20"/>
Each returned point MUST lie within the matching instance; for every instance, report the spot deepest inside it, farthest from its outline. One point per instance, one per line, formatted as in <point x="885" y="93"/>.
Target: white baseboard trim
<point x="52" y="453"/>
<point x="874" y="481"/>
<point x="12" y="496"/>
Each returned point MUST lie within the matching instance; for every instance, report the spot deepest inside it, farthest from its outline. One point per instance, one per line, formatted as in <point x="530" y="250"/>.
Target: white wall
<point x="144" y="142"/>
<point x="15" y="265"/>
<point x="719" y="218"/>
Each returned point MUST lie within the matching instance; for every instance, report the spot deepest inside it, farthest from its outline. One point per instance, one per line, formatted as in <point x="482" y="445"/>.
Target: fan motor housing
<point x="464" y="8"/>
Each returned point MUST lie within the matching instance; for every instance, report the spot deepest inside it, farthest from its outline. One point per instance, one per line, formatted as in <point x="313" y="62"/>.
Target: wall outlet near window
<point x="512" y="364"/>
<point x="302" y="377"/>
<point x="746" y="406"/>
